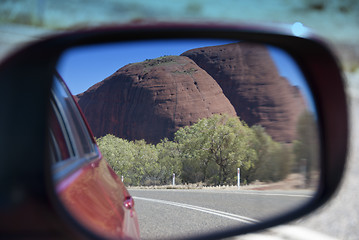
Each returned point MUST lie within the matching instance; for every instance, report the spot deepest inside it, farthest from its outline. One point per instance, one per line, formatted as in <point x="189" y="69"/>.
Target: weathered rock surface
<point x="153" y="99"/>
<point x="250" y="80"/>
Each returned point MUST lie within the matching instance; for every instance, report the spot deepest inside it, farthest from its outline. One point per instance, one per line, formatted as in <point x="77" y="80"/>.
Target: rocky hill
<point x="150" y="100"/>
<point x="250" y="80"/>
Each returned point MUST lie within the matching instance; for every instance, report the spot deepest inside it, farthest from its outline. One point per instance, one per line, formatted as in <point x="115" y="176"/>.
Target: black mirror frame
<point x="26" y="81"/>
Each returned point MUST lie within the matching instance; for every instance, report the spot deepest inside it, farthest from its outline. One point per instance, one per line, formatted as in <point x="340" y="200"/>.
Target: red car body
<point x="86" y="185"/>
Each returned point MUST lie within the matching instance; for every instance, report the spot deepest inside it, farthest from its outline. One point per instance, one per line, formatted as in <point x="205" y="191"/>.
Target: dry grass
<point x="292" y="182"/>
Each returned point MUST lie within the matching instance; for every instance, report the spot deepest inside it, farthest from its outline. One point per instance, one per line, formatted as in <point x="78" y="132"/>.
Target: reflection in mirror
<point x="205" y="134"/>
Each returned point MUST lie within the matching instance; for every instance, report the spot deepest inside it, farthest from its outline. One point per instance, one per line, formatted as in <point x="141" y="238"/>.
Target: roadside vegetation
<point x="210" y="151"/>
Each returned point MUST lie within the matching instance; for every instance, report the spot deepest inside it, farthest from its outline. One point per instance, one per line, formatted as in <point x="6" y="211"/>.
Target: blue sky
<point x="82" y="67"/>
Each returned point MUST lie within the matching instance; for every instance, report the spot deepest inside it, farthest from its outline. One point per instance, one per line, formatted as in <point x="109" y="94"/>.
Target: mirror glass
<point x="205" y="134"/>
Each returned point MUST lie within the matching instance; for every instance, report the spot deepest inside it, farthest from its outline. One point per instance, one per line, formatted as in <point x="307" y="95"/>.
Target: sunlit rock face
<point x="250" y="80"/>
<point x="152" y="99"/>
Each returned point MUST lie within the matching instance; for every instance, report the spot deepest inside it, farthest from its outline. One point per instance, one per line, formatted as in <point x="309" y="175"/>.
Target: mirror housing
<point x="25" y="174"/>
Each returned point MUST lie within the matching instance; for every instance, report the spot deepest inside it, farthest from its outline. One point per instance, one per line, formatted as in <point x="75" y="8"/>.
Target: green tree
<point x="169" y="161"/>
<point x="220" y="139"/>
<point x="306" y="147"/>
<point x="141" y="163"/>
<point x="209" y="151"/>
<point x="145" y="170"/>
<point x="273" y="160"/>
<point x="118" y="152"/>
<point x="192" y="144"/>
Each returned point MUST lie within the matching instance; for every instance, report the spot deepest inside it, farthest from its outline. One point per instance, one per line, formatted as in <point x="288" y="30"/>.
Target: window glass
<point x="67" y="113"/>
<point x="59" y="143"/>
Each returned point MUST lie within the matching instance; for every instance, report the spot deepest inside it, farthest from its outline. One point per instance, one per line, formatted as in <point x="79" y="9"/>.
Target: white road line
<point x="245" y="192"/>
<point x="202" y="209"/>
<point x="277" y="194"/>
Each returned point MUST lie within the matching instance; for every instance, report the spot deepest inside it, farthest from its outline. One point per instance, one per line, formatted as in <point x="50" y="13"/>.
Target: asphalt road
<point x="178" y="213"/>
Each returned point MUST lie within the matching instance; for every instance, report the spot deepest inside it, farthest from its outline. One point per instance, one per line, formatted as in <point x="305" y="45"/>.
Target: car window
<point x="70" y="143"/>
<point x="59" y="140"/>
<point x="72" y="121"/>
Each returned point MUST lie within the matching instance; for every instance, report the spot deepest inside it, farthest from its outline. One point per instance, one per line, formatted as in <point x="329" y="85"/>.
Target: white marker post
<point x="122" y="178"/>
<point x="239" y="178"/>
<point x="173" y="179"/>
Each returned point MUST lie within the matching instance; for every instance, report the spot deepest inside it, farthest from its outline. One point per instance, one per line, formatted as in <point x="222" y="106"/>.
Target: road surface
<point x="179" y="213"/>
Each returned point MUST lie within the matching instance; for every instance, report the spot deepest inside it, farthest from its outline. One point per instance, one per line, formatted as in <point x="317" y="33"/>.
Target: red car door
<point x="87" y="186"/>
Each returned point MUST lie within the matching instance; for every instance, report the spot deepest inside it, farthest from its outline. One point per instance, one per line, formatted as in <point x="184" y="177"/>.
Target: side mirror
<point x="214" y="130"/>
